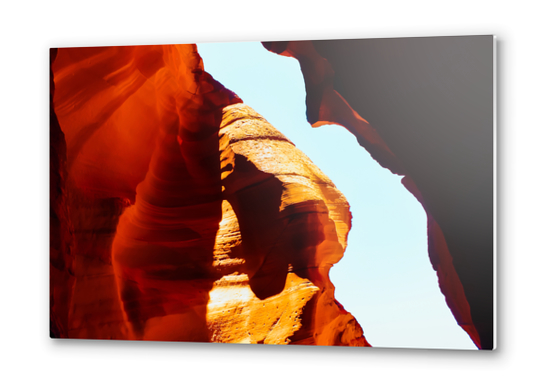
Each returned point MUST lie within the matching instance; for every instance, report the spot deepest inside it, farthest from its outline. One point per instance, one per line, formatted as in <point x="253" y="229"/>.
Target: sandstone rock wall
<point x="423" y="108"/>
<point x="193" y="218"/>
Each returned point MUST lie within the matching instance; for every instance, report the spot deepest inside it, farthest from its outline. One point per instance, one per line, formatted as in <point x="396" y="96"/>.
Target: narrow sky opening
<point x="385" y="278"/>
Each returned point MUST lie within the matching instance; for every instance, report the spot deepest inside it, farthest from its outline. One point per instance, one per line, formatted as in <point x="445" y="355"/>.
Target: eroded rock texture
<point x="191" y="218"/>
<point x="61" y="235"/>
<point x="422" y="108"/>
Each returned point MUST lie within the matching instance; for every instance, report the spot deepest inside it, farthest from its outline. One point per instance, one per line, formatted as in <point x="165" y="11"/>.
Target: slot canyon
<point x="179" y="213"/>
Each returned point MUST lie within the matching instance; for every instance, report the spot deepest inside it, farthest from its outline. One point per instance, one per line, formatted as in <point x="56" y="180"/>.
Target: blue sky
<point x="385" y="278"/>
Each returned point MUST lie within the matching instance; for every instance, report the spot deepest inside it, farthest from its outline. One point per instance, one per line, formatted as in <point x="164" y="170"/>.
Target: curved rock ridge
<point x="112" y="102"/>
<point x="297" y="236"/>
<point x="251" y="262"/>
<point x="193" y="218"/>
<point x="422" y="107"/>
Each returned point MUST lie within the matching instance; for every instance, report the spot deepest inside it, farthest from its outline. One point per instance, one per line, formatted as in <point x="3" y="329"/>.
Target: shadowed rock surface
<point x="423" y="108"/>
<point x="193" y="218"/>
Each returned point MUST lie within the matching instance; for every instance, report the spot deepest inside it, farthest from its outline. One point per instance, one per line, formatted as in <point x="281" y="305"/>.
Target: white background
<point x="28" y="30"/>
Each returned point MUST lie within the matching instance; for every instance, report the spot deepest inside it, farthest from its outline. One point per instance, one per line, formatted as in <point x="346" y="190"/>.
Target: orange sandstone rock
<point x="194" y="219"/>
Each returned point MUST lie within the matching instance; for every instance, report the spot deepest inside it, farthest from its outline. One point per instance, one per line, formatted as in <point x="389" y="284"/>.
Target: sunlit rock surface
<point x="423" y="108"/>
<point x="182" y="214"/>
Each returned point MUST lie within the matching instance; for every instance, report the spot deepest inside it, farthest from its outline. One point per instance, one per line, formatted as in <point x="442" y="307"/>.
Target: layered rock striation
<point x="193" y="219"/>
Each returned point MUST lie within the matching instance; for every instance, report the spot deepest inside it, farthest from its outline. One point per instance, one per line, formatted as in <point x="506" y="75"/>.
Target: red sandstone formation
<point x="61" y="233"/>
<point x="422" y="108"/>
<point x="179" y="213"/>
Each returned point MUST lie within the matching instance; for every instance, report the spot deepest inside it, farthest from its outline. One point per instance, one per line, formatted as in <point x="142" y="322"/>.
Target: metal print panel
<point x="332" y="193"/>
